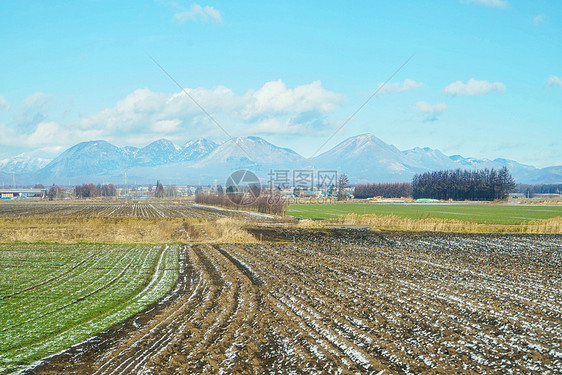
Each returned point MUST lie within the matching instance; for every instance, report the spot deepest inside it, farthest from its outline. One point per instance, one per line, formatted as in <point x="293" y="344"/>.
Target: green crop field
<point x="53" y="296"/>
<point x="478" y="213"/>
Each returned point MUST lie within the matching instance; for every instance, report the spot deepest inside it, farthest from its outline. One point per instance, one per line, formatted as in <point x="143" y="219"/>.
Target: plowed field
<point x="108" y="209"/>
<point x="342" y="301"/>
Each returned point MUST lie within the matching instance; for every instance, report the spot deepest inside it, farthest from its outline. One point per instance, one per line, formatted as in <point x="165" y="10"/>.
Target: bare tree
<point x="55" y="192"/>
<point x="343" y="182"/>
<point x="171" y="191"/>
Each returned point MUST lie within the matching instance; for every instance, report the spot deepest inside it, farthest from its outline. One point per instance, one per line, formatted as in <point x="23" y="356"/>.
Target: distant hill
<point x="23" y="163"/>
<point x="364" y="158"/>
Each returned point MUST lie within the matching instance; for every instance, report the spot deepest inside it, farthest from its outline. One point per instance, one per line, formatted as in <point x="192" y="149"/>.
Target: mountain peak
<point x="250" y="139"/>
<point x="23" y="163"/>
<point x="428" y="158"/>
<point x="250" y="150"/>
<point x="197" y="148"/>
<point x="162" y="151"/>
<point x="162" y="143"/>
<point x="364" y="158"/>
<point x="364" y="138"/>
<point x="360" y="144"/>
<point x="97" y="142"/>
<point x="199" y="140"/>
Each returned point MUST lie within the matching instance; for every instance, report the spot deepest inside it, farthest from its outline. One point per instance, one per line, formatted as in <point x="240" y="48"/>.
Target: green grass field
<point x="53" y="296"/>
<point x="477" y="213"/>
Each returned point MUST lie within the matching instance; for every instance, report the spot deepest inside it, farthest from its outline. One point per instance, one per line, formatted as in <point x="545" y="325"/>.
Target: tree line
<point x="267" y="202"/>
<point x="388" y="190"/>
<point x="459" y="184"/>
<point x="91" y="190"/>
<point x="530" y="190"/>
<point x="483" y="185"/>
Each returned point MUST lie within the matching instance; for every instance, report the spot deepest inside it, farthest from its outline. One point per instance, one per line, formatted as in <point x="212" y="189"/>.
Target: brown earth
<point x="345" y="301"/>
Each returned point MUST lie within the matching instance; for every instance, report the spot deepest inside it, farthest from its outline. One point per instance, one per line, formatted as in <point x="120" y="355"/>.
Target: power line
<point x="202" y="109"/>
<point x="362" y="105"/>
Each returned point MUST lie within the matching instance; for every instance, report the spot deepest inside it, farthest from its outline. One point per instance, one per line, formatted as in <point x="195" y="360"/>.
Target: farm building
<point x="22" y="193"/>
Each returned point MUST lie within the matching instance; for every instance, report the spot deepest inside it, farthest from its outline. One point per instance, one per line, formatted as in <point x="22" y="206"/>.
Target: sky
<point x="479" y="78"/>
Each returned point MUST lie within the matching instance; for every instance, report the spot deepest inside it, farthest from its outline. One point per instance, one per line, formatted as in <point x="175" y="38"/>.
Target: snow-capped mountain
<point x="101" y="161"/>
<point x="158" y="152"/>
<point x="87" y="159"/>
<point x="252" y="151"/>
<point x="22" y="163"/>
<point x="430" y="159"/>
<point x="364" y="158"/>
<point x="544" y="175"/>
<point x="367" y="158"/>
<point x="197" y="149"/>
<point x="521" y="172"/>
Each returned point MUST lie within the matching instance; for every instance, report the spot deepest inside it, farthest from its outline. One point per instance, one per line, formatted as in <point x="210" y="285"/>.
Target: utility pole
<point x="313" y="190"/>
<point x="126" y="186"/>
<point x="14" y="180"/>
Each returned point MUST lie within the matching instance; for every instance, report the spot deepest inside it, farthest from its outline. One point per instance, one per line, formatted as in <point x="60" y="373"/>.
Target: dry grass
<point x="132" y="229"/>
<point x="391" y="222"/>
<point x="537" y="201"/>
<point x="123" y="230"/>
<point x="221" y="230"/>
<point x="553" y="225"/>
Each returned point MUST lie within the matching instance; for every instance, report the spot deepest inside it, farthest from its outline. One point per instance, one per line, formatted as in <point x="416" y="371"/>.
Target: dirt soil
<point x="345" y="301"/>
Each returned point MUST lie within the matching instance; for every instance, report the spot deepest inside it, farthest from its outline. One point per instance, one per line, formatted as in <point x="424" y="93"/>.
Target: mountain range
<point x="364" y="158"/>
<point x="23" y="163"/>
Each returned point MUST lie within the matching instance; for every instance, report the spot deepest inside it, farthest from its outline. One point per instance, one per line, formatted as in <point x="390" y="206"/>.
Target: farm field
<point x="53" y="296"/>
<point x="108" y="209"/>
<point x="343" y="301"/>
<point x="478" y="213"/>
<point x="121" y="222"/>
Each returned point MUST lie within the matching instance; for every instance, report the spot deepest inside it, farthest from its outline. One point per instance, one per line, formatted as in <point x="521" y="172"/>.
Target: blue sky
<point x="485" y="79"/>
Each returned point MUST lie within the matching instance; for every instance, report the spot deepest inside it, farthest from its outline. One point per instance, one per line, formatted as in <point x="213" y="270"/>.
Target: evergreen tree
<point x="486" y="184"/>
<point x="159" y="193"/>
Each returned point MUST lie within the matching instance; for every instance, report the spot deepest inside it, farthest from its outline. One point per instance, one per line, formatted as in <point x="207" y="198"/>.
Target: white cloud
<point x="155" y="114"/>
<point x="275" y="126"/>
<point x="490" y="3"/>
<point x="50" y="150"/>
<point x="166" y="126"/>
<point x="431" y="110"/>
<point x="142" y="101"/>
<point x="538" y="19"/>
<point x="46" y="139"/>
<point x="46" y="133"/>
<point x="275" y="98"/>
<point x="8" y="135"/>
<point x="34" y="110"/>
<point x="145" y="115"/>
<point x="37" y="100"/>
<point x="206" y="14"/>
<point x="554" y="81"/>
<point x="473" y="87"/>
<point x="3" y="104"/>
<point x="395" y="87"/>
<point x="425" y="107"/>
<point x="302" y="125"/>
